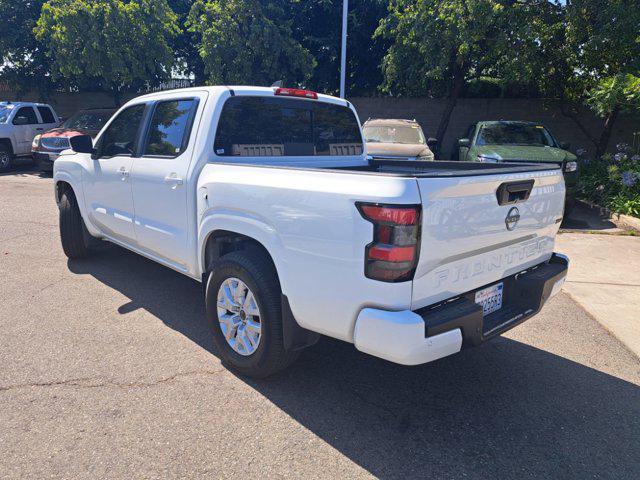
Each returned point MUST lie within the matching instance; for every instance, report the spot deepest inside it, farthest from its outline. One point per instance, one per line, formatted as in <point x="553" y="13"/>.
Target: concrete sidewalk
<point x="604" y="278"/>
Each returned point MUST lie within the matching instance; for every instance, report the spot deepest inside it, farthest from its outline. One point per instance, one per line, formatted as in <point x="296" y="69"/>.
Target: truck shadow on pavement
<point x="503" y="410"/>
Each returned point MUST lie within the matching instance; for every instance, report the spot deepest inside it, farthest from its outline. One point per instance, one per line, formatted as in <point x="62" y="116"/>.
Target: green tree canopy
<point x="583" y="52"/>
<point x="249" y="42"/>
<point x="109" y="44"/>
<point x="23" y="64"/>
<point x="438" y="46"/>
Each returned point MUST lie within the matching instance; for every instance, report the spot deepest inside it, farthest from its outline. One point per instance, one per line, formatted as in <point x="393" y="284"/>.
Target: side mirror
<point x="432" y="142"/>
<point x="565" y="145"/>
<point x="21" y="121"/>
<point x="464" y="142"/>
<point x="82" y="144"/>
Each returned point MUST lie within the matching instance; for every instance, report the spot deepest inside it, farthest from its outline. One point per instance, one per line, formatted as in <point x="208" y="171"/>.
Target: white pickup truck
<point x="268" y="197"/>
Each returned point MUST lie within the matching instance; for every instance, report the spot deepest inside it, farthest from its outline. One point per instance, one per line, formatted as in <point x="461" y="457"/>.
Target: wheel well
<point x="62" y="187"/>
<point x="6" y="142"/>
<point x="222" y="242"/>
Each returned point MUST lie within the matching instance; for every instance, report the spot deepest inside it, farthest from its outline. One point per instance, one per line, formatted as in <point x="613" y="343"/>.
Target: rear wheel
<point x="244" y="310"/>
<point x="73" y="233"/>
<point x="6" y="158"/>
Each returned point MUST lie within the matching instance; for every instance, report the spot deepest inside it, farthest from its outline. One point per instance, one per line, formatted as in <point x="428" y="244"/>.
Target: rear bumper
<point x="413" y="338"/>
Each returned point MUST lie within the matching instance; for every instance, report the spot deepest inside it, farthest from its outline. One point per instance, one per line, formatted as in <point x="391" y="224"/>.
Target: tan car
<point x="397" y="140"/>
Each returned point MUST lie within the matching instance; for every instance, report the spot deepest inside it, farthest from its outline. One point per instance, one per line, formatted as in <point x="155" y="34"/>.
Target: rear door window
<point x="267" y="126"/>
<point x="46" y="114"/>
<point x="170" y="127"/>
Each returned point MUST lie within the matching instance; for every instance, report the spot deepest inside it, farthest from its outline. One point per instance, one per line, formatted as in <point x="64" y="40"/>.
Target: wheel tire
<point x="6" y="158"/>
<point x="73" y="232"/>
<point x="259" y="275"/>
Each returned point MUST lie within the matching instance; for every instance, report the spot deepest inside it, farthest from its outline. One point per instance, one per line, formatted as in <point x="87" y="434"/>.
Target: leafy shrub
<point x="612" y="181"/>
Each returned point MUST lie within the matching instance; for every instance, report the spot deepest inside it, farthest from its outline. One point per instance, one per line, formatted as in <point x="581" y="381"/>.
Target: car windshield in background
<point x="394" y="134"/>
<point x="266" y="126"/>
<point x="88" y="120"/>
<point x="514" y="134"/>
<point x="4" y="113"/>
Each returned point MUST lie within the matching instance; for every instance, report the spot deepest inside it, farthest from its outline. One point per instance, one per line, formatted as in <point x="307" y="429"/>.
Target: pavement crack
<point x="614" y="284"/>
<point x="92" y="382"/>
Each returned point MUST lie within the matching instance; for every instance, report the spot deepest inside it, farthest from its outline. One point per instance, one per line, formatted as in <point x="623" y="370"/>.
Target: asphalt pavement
<point x="107" y="370"/>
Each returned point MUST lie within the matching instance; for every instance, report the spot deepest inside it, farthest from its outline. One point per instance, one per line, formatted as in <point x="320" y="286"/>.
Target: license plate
<point x="490" y="298"/>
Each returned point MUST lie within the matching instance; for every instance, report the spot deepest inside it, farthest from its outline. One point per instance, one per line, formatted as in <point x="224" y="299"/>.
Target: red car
<point x="47" y="147"/>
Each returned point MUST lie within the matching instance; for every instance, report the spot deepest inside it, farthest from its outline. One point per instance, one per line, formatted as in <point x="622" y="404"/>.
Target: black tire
<point x="6" y="158"/>
<point x="73" y="233"/>
<point x="258" y="273"/>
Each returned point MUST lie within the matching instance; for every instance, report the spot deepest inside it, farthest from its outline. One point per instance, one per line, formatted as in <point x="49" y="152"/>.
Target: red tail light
<point x="296" y="92"/>
<point x="393" y="254"/>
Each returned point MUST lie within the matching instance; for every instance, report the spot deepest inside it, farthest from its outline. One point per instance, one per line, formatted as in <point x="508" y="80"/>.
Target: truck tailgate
<point x="470" y="240"/>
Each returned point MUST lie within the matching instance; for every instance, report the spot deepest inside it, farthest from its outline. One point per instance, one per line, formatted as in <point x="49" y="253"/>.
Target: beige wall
<point x="426" y="111"/>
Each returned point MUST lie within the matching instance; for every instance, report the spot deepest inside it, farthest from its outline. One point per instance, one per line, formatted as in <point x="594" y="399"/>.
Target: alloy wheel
<point x="239" y="316"/>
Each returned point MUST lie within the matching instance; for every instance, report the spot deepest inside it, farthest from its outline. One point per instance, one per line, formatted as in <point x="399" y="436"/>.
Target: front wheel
<point x="5" y="158"/>
<point x="73" y="233"/>
<point x="244" y="310"/>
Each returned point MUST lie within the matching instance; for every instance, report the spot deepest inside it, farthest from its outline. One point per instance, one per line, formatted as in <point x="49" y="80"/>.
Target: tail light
<point x="393" y="254"/>
<point x="296" y="92"/>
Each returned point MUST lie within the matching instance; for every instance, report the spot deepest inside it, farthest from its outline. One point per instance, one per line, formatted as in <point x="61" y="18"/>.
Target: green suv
<point x="510" y="141"/>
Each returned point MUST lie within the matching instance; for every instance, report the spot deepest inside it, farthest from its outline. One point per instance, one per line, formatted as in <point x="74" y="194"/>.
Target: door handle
<point x="173" y="179"/>
<point x="124" y="172"/>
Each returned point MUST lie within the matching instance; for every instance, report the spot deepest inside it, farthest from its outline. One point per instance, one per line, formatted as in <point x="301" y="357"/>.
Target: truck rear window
<point x="265" y="126"/>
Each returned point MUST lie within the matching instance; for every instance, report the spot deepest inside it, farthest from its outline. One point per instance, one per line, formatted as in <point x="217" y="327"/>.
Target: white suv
<point x="20" y="122"/>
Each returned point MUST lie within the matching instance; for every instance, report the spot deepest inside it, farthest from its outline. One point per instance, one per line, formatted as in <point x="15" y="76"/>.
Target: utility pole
<point x="343" y="60"/>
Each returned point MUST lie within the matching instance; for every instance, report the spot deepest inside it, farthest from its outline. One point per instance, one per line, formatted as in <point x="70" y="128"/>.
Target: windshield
<point x="88" y="120"/>
<point x="514" y="134"/>
<point x="4" y="113"/>
<point x="394" y="134"/>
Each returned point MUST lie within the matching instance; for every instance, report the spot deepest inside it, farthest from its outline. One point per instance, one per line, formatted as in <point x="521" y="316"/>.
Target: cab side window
<point x="29" y="113"/>
<point x="46" y="115"/>
<point x="169" y="129"/>
<point x="119" y="139"/>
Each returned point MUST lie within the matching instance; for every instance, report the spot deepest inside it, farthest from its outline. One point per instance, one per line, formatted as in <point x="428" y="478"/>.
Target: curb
<point x="620" y="220"/>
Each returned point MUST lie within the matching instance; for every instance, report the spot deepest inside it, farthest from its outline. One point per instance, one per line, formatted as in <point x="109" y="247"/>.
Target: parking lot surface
<point x="107" y="371"/>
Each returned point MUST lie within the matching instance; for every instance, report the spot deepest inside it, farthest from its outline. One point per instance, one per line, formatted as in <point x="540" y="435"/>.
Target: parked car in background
<point x="20" y="122"/>
<point x="47" y="146"/>
<point x="515" y="141"/>
<point x="266" y="196"/>
<point x="395" y="139"/>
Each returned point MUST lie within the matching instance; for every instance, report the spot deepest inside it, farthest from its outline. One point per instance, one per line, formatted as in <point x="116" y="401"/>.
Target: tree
<point x="317" y="26"/>
<point x="185" y="45"/>
<point x="23" y="64"/>
<point x="248" y="42"/>
<point x="438" y="46"/>
<point x="583" y="52"/>
<point x="109" y="44"/>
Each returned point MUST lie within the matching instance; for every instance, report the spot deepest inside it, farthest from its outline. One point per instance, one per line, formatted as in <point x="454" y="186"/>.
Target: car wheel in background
<point x="5" y="158"/>
<point x="244" y="309"/>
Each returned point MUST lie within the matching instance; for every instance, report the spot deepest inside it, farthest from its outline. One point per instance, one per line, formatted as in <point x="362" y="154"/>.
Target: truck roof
<point x="237" y="90"/>
<point x="24" y="104"/>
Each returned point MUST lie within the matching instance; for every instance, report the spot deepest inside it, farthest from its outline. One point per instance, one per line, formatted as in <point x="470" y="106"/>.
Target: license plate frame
<point x="490" y="298"/>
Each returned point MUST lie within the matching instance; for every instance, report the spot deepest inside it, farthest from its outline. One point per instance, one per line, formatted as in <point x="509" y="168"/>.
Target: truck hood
<point x="525" y="153"/>
<point x="399" y="150"/>
<point x="69" y="132"/>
